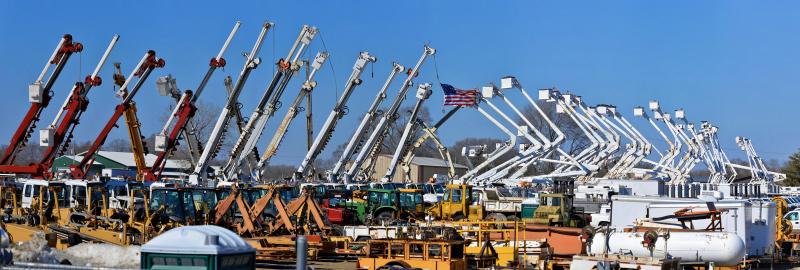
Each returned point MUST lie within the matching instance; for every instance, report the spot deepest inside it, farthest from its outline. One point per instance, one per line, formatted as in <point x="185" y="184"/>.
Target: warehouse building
<point x="421" y="169"/>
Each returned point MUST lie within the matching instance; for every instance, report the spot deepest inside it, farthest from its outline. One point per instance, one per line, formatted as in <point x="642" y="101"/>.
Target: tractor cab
<point x="177" y="204"/>
<point x="556" y="209"/>
<point x="205" y="199"/>
<point x="86" y="196"/>
<point x="41" y="199"/>
<point x="411" y="202"/>
<point x="119" y="194"/>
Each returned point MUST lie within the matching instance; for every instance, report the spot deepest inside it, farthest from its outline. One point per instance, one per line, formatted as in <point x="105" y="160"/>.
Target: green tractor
<point x="556" y="209"/>
<point x="386" y="205"/>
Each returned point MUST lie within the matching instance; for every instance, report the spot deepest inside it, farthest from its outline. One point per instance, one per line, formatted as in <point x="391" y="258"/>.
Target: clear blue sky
<point x="734" y="63"/>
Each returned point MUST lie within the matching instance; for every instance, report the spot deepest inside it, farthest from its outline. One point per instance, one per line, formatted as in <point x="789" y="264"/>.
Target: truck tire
<point x="363" y="238"/>
<point x="497" y="217"/>
<point x="384" y="217"/>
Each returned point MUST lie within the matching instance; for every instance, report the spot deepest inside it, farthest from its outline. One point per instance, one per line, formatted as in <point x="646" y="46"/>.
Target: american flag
<point x="458" y="97"/>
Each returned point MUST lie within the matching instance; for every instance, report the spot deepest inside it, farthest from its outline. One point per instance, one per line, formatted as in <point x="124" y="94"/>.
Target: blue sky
<point x="734" y="63"/>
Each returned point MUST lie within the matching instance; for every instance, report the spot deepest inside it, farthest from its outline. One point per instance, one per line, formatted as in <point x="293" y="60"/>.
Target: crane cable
<point x="330" y="64"/>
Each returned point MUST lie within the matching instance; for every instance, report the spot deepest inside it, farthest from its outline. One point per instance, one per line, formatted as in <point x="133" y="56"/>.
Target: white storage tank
<point x="721" y="248"/>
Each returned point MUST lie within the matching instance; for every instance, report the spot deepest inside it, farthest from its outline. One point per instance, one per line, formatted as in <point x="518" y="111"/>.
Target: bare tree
<point x="204" y="118"/>
<point x="119" y="145"/>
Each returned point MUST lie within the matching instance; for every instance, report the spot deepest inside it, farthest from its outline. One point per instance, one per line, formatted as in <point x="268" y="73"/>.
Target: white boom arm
<point x="251" y="133"/>
<point x="337" y="113"/>
<point x="215" y="138"/>
<point x="423" y="93"/>
<point x="371" y="148"/>
<point x="356" y="142"/>
<point x="292" y="112"/>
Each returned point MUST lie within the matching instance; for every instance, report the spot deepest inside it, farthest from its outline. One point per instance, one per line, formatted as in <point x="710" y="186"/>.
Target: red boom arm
<point x="143" y="71"/>
<point x="28" y="123"/>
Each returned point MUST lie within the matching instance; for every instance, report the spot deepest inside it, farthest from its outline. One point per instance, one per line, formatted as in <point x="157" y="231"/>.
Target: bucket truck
<point x="182" y="114"/>
<point x="292" y="112"/>
<point x="336" y="114"/>
<point x="356" y="141"/>
<point x="423" y="93"/>
<point x="372" y="146"/>
<point x="190" y="131"/>
<point x="215" y="138"/>
<point x="57" y="136"/>
<point x="251" y="133"/>
<point x="500" y="149"/>
<point x="758" y="171"/>
<point x="659" y="167"/>
<point x="39" y="95"/>
<point x="430" y="133"/>
<point x="142" y="70"/>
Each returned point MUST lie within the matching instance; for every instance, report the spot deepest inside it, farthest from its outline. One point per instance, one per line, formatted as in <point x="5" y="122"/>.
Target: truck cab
<point x="557" y="209"/>
<point x="500" y="203"/>
<point x="432" y="193"/>
<point x="457" y="203"/>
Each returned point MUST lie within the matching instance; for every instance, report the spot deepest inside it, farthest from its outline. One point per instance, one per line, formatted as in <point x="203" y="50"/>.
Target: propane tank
<point x="721" y="248"/>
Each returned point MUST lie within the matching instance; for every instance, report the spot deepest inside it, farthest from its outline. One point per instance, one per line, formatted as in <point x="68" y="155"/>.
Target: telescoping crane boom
<point x="430" y="133"/>
<point x="251" y="133"/>
<point x="133" y="125"/>
<point x="182" y="114"/>
<point x="58" y="135"/>
<point x="142" y="70"/>
<point x="337" y="113"/>
<point x="423" y="92"/>
<point x="213" y="143"/>
<point x="356" y="141"/>
<point x="39" y="95"/>
<point x="292" y="112"/>
<point x="372" y="146"/>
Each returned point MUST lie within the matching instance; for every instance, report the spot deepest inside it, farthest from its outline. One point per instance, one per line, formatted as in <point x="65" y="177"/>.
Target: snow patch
<point x="103" y="255"/>
<point x="35" y="251"/>
<point x="86" y="254"/>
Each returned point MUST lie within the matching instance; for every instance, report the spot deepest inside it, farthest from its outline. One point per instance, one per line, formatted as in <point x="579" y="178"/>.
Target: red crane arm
<point x="143" y="70"/>
<point x="40" y="102"/>
<point x="185" y="111"/>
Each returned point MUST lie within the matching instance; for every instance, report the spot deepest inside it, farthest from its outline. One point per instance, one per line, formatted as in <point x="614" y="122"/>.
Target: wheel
<point x="363" y="238"/>
<point x="384" y="217"/>
<point x="512" y="217"/>
<point x="338" y="230"/>
<point x="497" y="217"/>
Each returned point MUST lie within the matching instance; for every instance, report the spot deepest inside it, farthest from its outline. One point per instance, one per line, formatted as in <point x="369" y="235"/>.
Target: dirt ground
<point x="318" y="265"/>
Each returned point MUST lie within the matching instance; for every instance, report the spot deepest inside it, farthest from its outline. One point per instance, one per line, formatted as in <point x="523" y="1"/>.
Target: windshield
<point x="204" y="196"/>
<point x="171" y="201"/>
<point x="552" y="201"/>
<point x="491" y="194"/>
<point x="409" y="201"/>
<point x="504" y="192"/>
<point x="438" y="188"/>
<point x="381" y="198"/>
